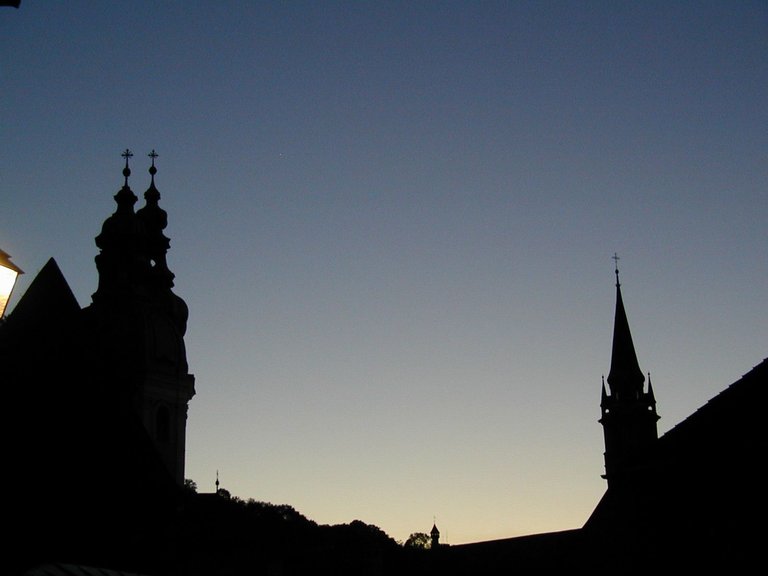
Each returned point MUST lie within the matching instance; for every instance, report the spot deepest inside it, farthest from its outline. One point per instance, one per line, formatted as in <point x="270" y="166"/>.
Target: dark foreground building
<point x="96" y="402"/>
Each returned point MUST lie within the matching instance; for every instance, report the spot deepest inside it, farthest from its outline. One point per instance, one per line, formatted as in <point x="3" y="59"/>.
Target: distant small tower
<point x="435" y="536"/>
<point x="628" y="410"/>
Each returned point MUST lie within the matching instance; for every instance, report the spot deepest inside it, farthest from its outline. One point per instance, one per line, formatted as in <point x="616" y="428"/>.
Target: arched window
<point x="162" y="424"/>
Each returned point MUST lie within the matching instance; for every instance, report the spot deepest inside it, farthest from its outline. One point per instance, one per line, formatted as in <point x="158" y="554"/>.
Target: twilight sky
<point x="393" y="224"/>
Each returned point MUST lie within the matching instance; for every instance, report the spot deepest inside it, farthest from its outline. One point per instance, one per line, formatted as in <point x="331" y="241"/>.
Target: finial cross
<point x="126" y="171"/>
<point x="616" y="259"/>
<point x="152" y="169"/>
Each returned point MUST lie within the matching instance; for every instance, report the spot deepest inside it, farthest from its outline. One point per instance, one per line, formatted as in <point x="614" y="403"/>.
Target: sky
<point x="393" y="224"/>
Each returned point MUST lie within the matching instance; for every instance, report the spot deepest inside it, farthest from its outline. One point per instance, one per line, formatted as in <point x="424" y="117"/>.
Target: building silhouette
<point x="434" y="537"/>
<point x="687" y="500"/>
<point x="97" y="403"/>
<point x="139" y="323"/>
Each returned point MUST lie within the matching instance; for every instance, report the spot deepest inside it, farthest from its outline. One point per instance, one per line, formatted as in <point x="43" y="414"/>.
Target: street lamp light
<point x="8" y="274"/>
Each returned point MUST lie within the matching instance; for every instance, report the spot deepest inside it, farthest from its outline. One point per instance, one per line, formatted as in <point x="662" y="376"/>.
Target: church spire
<point x="628" y="411"/>
<point x="625" y="377"/>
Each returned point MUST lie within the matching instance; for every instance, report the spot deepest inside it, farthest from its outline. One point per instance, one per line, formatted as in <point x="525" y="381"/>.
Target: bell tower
<point x="140" y="323"/>
<point x="628" y="409"/>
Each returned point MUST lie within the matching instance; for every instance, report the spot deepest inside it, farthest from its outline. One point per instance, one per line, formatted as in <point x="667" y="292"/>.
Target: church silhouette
<point x="95" y="432"/>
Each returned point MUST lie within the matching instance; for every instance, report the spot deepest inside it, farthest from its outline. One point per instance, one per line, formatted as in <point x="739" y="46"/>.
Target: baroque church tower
<point x="139" y="323"/>
<point x="628" y="409"/>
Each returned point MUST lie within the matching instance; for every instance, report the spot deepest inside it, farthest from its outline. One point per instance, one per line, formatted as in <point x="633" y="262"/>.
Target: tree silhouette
<point x="418" y="540"/>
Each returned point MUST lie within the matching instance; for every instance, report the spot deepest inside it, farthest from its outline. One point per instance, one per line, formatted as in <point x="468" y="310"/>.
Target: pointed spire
<point x="625" y="377"/>
<point x="628" y="413"/>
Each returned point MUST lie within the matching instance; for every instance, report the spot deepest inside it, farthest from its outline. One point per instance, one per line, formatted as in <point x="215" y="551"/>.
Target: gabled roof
<point x="47" y="299"/>
<point x="532" y="554"/>
<point x="723" y="420"/>
<point x="700" y="491"/>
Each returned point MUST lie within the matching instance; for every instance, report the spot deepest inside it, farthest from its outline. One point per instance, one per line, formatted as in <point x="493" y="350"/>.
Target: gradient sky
<point x="393" y="223"/>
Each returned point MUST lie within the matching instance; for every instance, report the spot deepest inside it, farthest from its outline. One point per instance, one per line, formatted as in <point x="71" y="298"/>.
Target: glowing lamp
<point x="8" y="274"/>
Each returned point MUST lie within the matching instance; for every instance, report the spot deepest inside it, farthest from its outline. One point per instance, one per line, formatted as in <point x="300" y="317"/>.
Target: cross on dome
<point x="127" y="154"/>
